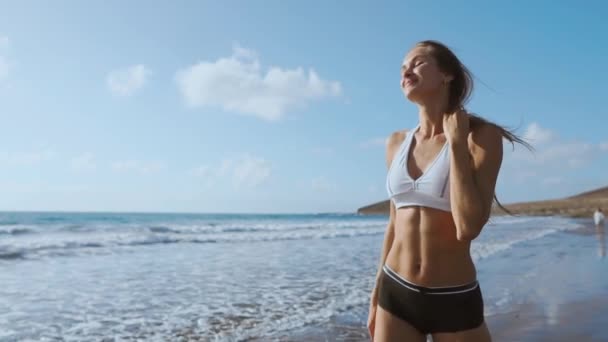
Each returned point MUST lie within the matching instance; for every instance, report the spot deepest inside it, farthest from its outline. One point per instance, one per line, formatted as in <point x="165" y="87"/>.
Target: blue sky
<point x="281" y="107"/>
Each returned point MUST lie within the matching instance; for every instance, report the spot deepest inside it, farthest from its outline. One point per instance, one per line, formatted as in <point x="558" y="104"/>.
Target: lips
<point x="408" y="82"/>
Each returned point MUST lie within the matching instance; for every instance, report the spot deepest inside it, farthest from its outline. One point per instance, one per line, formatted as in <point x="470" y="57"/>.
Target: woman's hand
<point x="371" y="319"/>
<point x="456" y="126"/>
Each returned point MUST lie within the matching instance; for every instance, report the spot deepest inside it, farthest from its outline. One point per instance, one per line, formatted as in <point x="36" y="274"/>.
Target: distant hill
<point x="580" y="205"/>
<point x="597" y="193"/>
<point x="376" y="208"/>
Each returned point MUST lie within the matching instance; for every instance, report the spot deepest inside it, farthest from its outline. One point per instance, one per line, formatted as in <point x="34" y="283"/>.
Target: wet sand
<point x="584" y="320"/>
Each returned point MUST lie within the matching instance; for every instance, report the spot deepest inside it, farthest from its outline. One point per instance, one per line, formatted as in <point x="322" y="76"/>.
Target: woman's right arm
<point x="389" y="234"/>
<point x="392" y="144"/>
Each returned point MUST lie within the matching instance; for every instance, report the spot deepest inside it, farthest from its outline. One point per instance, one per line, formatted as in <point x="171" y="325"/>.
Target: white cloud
<point x="201" y="171"/>
<point x="205" y="173"/>
<point x="125" y="82"/>
<point x="244" y="53"/>
<point x="85" y="161"/>
<point x="375" y="142"/>
<point x="225" y="167"/>
<point x="604" y="146"/>
<point x="238" y="84"/>
<point x="251" y="172"/>
<point x="553" y="158"/>
<point x="550" y="148"/>
<point x="323" y="184"/>
<point x="27" y="158"/>
<point x="571" y="153"/>
<point x="137" y="166"/>
<point x="245" y="171"/>
<point x="535" y="134"/>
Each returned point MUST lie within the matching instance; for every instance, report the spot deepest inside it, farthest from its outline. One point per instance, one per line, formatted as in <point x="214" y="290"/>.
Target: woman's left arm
<point x="476" y="158"/>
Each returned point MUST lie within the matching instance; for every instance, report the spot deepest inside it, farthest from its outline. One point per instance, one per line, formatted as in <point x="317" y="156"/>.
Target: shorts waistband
<point x="429" y="290"/>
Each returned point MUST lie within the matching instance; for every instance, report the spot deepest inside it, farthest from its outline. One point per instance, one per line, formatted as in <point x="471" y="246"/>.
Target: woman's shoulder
<point x="486" y="140"/>
<point x="396" y="137"/>
<point x="485" y="134"/>
<point x="394" y="140"/>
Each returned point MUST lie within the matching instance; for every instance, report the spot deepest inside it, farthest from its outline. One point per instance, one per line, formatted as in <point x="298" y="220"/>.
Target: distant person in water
<point x="441" y="180"/>
<point x="598" y="217"/>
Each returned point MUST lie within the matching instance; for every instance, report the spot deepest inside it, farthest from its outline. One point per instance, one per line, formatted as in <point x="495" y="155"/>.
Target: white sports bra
<point x="431" y="189"/>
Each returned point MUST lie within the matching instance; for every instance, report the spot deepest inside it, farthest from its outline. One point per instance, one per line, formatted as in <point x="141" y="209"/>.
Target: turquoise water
<point x="224" y="277"/>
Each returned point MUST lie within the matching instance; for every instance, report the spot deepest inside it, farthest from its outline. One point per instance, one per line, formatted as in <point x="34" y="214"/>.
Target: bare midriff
<point x="425" y="249"/>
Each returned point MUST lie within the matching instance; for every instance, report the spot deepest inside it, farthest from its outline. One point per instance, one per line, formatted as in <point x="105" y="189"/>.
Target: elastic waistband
<point x="429" y="290"/>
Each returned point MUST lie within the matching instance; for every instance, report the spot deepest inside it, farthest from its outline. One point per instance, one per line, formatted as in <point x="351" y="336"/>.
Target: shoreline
<point x="561" y="301"/>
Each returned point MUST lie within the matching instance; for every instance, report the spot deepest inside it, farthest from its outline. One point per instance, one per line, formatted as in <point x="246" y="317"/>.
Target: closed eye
<point x="417" y="62"/>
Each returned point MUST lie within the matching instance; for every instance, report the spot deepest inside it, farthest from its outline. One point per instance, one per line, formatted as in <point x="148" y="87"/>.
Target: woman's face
<point x="420" y="75"/>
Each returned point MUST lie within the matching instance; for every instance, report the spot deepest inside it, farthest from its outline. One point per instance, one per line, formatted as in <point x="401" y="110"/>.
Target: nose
<point x="406" y="71"/>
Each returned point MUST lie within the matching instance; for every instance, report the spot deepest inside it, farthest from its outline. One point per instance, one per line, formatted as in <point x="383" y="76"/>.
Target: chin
<point x="411" y="94"/>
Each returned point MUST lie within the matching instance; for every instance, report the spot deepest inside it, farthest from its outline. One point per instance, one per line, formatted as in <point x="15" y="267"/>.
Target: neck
<point x="431" y="118"/>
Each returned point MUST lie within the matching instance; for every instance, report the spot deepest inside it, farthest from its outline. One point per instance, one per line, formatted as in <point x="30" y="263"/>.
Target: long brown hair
<point x="461" y="88"/>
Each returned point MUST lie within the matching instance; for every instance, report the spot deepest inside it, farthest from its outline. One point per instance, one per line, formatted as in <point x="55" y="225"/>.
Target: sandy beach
<point x="582" y="320"/>
<point x="569" y="301"/>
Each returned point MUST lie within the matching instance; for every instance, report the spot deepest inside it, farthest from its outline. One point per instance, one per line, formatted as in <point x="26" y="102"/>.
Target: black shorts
<point x="431" y="309"/>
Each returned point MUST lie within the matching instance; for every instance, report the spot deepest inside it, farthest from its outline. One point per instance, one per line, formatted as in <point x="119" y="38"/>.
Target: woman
<point x="441" y="181"/>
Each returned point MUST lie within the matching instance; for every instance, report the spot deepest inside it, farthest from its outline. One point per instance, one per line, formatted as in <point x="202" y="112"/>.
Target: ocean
<point x="222" y="277"/>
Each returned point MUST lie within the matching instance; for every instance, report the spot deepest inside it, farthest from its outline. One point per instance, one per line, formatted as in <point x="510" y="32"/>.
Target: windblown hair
<point x="460" y="90"/>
